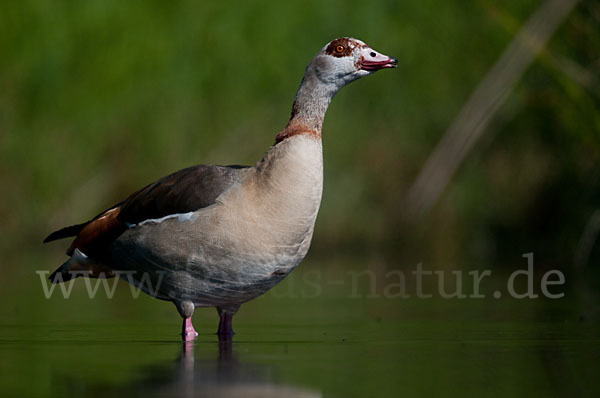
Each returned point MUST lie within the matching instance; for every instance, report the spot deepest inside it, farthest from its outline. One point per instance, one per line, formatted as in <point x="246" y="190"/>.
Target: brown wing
<point x="181" y="192"/>
<point x="186" y="190"/>
<point x="99" y="233"/>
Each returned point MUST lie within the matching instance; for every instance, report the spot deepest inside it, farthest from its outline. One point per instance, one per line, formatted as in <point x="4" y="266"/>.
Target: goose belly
<point x="210" y="259"/>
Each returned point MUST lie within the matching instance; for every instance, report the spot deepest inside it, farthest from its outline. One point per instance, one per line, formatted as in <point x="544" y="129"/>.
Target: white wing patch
<point x="179" y="216"/>
<point x="79" y="255"/>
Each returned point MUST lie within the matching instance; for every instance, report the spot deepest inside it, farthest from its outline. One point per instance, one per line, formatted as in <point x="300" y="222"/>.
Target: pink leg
<point x="188" y="333"/>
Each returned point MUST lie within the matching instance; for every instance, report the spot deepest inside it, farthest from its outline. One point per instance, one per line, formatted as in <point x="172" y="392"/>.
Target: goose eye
<point x="340" y="49"/>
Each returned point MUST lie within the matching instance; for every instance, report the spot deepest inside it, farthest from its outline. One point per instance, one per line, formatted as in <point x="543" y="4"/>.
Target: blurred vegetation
<point x="98" y="98"/>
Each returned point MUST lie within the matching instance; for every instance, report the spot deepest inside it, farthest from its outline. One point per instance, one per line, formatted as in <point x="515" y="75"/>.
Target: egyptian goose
<point x="218" y="236"/>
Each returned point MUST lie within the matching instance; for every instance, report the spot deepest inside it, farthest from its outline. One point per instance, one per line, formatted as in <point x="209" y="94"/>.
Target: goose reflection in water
<point x="192" y="375"/>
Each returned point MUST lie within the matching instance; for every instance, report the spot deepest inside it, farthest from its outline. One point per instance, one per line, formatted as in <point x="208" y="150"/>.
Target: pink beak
<point x="372" y="60"/>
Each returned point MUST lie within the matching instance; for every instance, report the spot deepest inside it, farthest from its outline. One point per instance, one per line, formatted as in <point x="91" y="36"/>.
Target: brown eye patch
<point x="339" y="48"/>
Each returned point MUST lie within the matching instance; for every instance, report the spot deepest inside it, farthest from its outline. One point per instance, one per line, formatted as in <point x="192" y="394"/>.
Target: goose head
<point x="340" y="62"/>
<point x="346" y="59"/>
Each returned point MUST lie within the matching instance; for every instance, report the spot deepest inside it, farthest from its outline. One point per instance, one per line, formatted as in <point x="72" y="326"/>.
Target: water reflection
<point x="195" y="374"/>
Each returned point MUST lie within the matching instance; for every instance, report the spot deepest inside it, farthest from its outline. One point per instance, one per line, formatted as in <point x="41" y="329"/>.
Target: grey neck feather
<point x="312" y="100"/>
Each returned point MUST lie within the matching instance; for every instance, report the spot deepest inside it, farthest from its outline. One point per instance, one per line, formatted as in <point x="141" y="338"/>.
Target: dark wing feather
<point x="186" y="190"/>
<point x="74" y="230"/>
<point x="181" y="192"/>
<point x="65" y="232"/>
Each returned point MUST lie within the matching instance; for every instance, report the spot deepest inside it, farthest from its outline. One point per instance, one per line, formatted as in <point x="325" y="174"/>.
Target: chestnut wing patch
<point x="98" y="233"/>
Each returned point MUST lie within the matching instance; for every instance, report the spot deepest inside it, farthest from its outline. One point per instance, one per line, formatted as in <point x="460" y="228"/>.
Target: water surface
<point x="333" y="344"/>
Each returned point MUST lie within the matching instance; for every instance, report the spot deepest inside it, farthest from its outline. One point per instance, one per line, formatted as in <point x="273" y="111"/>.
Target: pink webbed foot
<point x="188" y="333"/>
